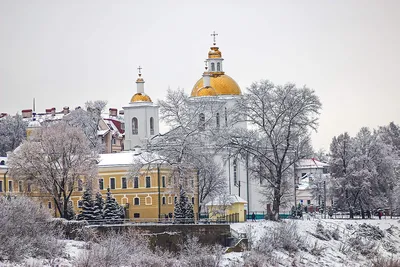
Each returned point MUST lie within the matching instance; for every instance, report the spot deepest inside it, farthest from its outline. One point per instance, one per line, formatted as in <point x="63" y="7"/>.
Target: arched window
<point x="80" y="185"/>
<point x="202" y="122"/>
<point x="135" y="125"/>
<point x="235" y="172"/>
<point x="136" y="201"/>
<point x="151" y="126"/>
<point x="217" y="120"/>
<point x="218" y="66"/>
<point x="212" y="66"/>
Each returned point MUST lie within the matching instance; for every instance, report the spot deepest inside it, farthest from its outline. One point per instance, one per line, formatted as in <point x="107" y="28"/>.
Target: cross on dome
<point x="214" y="35"/>
<point x="140" y="68"/>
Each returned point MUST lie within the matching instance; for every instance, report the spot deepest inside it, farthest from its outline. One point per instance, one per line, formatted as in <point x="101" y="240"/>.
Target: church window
<point x="123" y="182"/>
<point x="135" y="125"/>
<point x="136" y="182"/>
<point x="112" y="183"/>
<point x="217" y="119"/>
<point x="212" y="66"/>
<point x="226" y="117"/>
<point x="148" y="200"/>
<point x="202" y="122"/>
<point x="136" y="201"/>
<point x="235" y="171"/>
<point x="148" y="185"/>
<point x="151" y="126"/>
<point x="218" y="66"/>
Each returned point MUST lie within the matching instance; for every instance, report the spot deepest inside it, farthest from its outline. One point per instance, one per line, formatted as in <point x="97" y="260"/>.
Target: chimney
<point x="53" y="111"/>
<point x="27" y="113"/>
<point x="65" y="110"/>
<point x="48" y="110"/>
<point x="3" y="115"/>
<point x="121" y="112"/>
<point x="113" y="112"/>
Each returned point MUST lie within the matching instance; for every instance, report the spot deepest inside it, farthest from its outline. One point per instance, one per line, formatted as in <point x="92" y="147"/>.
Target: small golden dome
<point x="222" y="84"/>
<point x="140" y="97"/>
<point x="140" y="80"/>
<point x="206" y="91"/>
<point x="214" y="52"/>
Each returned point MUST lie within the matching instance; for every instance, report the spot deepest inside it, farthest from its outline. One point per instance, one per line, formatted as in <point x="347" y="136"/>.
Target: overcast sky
<point x="64" y="53"/>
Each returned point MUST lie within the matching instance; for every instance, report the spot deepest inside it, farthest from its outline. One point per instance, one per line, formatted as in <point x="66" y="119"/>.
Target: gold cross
<point x="140" y="68"/>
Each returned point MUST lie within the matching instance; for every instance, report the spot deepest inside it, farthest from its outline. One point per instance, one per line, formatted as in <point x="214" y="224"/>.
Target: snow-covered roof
<point x="226" y="200"/>
<point x="311" y="164"/>
<point x="127" y="158"/>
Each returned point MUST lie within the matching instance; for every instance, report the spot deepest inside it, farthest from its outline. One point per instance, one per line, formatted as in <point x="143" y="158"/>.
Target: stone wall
<point x="170" y="236"/>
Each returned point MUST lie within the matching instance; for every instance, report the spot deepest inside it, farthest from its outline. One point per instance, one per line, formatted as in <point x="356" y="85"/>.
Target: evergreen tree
<point x="183" y="210"/>
<point x="111" y="208"/>
<point x="88" y="207"/>
<point x="98" y="206"/>
<point x="189" y="212"/>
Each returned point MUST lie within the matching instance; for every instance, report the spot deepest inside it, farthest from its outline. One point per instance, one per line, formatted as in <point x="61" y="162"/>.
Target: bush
<point x="381" y="262"/>
<point x="26" y="231"/>
<point x="196" y="255"/>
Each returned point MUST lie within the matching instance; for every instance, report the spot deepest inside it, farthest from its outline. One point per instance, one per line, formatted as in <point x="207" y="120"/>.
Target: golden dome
<point x="222" y="84"/>
<point x="140" y="97"/>
<point x="214" y="52"/>
<point x="206" y="91"/>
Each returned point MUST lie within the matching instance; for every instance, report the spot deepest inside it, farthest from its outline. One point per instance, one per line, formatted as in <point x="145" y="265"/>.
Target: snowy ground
<point x="383" y="241"/>
<point x="331" y="252"/>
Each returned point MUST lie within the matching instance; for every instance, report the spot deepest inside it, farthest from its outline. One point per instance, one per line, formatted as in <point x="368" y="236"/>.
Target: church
<point x="141" y="118"/>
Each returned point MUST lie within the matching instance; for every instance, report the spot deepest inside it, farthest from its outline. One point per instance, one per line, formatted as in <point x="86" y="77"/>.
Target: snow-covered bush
<point x="197" y="255"/>
<point x="382" y="262"/>
<point x="26" y="231"/>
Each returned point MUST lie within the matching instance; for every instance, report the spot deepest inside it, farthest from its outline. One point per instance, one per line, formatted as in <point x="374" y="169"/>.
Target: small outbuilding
<point x="229" y="208"/>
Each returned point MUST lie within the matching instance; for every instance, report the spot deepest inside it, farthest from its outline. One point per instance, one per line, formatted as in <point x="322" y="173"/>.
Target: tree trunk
<point x="276" y="204"/>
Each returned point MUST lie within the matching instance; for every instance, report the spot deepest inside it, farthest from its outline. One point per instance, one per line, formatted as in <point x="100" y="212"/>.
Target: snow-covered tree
<point x="88" y="120"/>
<point x="183" y="210"/>
<point x="280" y="119"/>
<point x="54" y="160"/>
<point x="88" y="206"/>
<point x="363" y="168"/>
<point x="70" y="211"/>
<point x="12" y="133"/>
<point x="111" y="208"/>
<point x="98" y="206"/>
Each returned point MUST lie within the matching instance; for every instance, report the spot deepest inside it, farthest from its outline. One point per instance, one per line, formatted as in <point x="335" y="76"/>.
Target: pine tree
<point x="98" y="206"/>
<point x="88" y="208"/>
<point x="189" y="212"/>
<point x="182" y="207"/>
<point x="111" y="208"/>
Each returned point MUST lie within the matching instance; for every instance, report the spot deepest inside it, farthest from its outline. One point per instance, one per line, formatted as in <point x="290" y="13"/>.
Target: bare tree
<point x="187" y="148"/>
<point x="88" y="120"/>
<point x="12" y="133"/>
<point x="54" y="160"/>
<point x="279" y="118"/>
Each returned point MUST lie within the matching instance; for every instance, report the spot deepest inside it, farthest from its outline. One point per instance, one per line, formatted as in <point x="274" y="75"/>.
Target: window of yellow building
<point x="112" y="183"/>
<point x="169" y="200"/>
<point x="164" y="201"/>
<point x="148" y="184"/>
<point x="80" y="203"/>
<point x="136" y="201"/>
<point x="1" y="186"/>
<point x="20" y="188"/>
<point x="101" y="183"/>
<point x="148" y="200"/>
<point x="10" y="186"/>
<point x="123" y="183"/>
<point x="136" y="182"/>
<point x="136" y="215"/>
<point x="163" y="181"/>
<point x="49" y="204"/>
<point x="80" y="185"/>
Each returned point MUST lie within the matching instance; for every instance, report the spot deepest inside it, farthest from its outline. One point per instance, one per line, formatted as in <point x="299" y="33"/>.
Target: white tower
<point x="141" y="117"/>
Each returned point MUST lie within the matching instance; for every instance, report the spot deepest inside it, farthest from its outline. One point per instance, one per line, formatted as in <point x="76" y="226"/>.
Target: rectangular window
<point x="80" y="203"/>
<point x="325" y="170"/>
<point x="136" y="215"/>
<point x="164" y="201"/>
<point x="10" y="186"/>
<point x="113" y="141"/>
<point x="193" y="200"/>
<point x="29" y="187"/>
<point x="303" y="174"/>
<point x="136" y="182"/>
<point x="169" y="200"/>
<point x="169" y="180"/>
<point x="163" y="181"/>
<point x="101" y="183"/>
<point x="123" y="181"/>
<point x="80" y="185"/>
<point x="112" y="183"/>
<point x="175" y="199"/>
<point x="136" y="201"/>
<point x="308" y="201"/>
<point x="148" y="185"/>
<point x="20" y="188"/>
<point x="1" y="186"/>
<point x="49" y="204"/>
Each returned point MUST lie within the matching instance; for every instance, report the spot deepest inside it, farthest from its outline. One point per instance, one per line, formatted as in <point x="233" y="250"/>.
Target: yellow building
<point x="228" y="207"/>
<point x="146" y="197"/>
